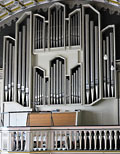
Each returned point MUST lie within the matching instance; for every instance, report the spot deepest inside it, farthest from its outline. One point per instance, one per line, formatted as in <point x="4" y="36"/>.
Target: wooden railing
<point x="60" y="138"/>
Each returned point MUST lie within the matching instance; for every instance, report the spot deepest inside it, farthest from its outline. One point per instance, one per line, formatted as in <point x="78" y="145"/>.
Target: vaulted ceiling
<point x="9" y="7"/>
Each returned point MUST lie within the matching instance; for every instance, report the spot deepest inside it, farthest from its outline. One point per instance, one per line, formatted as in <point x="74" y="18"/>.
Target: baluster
<point x="90" y="140"/>
<point x="21" y="141"/>
<point x="70" y="139"/>
<point x="115" y="138"/>
<point x="100" y="140"/>
<point x="56" y="138"/>
<point x="105" y="140"/>
<point x="75" y="139"/>
<point x="110" y="139"/>
<point x="85" y="140"/>
<point x="17" y="140"/>
<point x="80" y="139"/>
<point x="95" y="140"/>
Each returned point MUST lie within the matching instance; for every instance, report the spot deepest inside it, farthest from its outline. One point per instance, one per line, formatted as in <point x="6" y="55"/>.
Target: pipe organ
<point x="108" y="61"/>
<point x="85" y="83"/>
<point x="75" y="27"/>
<point x="8" y="64"/>
<point x="91" y="30"/>
<point x="23" y="60"/>
<point x="57" y="25"/>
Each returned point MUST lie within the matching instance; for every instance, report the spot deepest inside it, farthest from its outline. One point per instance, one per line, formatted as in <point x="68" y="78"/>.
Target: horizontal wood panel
<point x="39" y="119"/>
<point x="64" y="119"/>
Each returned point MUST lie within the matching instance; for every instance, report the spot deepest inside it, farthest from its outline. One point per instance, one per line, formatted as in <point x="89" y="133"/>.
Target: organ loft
<point x="59" y="76"/>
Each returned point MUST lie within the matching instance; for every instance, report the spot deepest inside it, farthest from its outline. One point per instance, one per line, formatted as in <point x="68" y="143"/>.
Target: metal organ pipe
<point x="19" y="67"/>
<point x="23" y="64"/>
<point x="96" y="62"/>
<point x="9" y="51"/>
<point x="92" y="58"/>
<point x="108" y="58"/>
<point x="108" y="66"/>
<point x="112" y="63"/>
<point x="104" y="67"/>
<point x="87" y="58"/>
<point x="13" y="60"/>
<point x="27" y="64"/>
<point x="10" y="71"/>
<point x="60" y="81"/>
<point x="6" y="70"/>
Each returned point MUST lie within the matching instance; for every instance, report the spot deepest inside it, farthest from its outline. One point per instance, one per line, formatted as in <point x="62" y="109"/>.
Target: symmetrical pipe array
<point x="76" y="85"/>
<point x="23" y="63"/>
<point x="108" y="59"/>
<point x="57" y="32"/>
<point x="75" y="27"/>
<point x="91" y="57"/>
<point x="57" y="81"/>
<point x="39" y="32"/>
<point x="57" y="28"/>
<point x="8" y="64"/>
<point x="56" y="87"/>
<point x="39" y="86"/>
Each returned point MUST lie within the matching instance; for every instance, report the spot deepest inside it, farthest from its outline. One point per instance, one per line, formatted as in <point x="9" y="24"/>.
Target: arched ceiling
<point x="10" y="7"/>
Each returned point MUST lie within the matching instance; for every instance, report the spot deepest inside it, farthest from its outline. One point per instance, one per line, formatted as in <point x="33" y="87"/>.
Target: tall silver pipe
<point x="51" y="93"/>
<point x="38" y="40"/>
<point x="57" y="80"/>
<point x="76" y="88"/>
<point x="54" y="27"/>
<point x="78" y="28"/>
<point x="36" y="33"/>
<point x="72" y="91"/>
<point x="60" y="28"/>
<point x="67" y="89"/>
<point x="63" y="84"/>
<point x="39" y="89"/>
<point x="10" y="71"/>
<point x="41" y="94"/>
<point x="79" y="85"/>
<point x="46" y="90"/>
<point x="51" y="30"/>
<point x="36" y="86"/>
<point x="87" y="58"/>
<point x="92" y="59"/>
<point x="40" y="34"/>
<point x="54" y="68"/>
<point x="6" y="70"/>
<point x="60" y="82"/>
<point x="13" y="61"/>
<point x="19" y="66"/>
<point x="41" y="31"/>
<point x="104" y="68"/>
<point x="71" y="31"/>
<point x="108" y="65"/>
<point x="96" y="62"/>
<point x="112" y="63"/>
<point x="23" y="63"/>
<point x="63" y="27"/>
<point x="27" y="63"/>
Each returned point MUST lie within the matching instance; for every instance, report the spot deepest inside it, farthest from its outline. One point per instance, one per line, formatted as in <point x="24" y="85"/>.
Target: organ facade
<point x="61" y="80"/>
